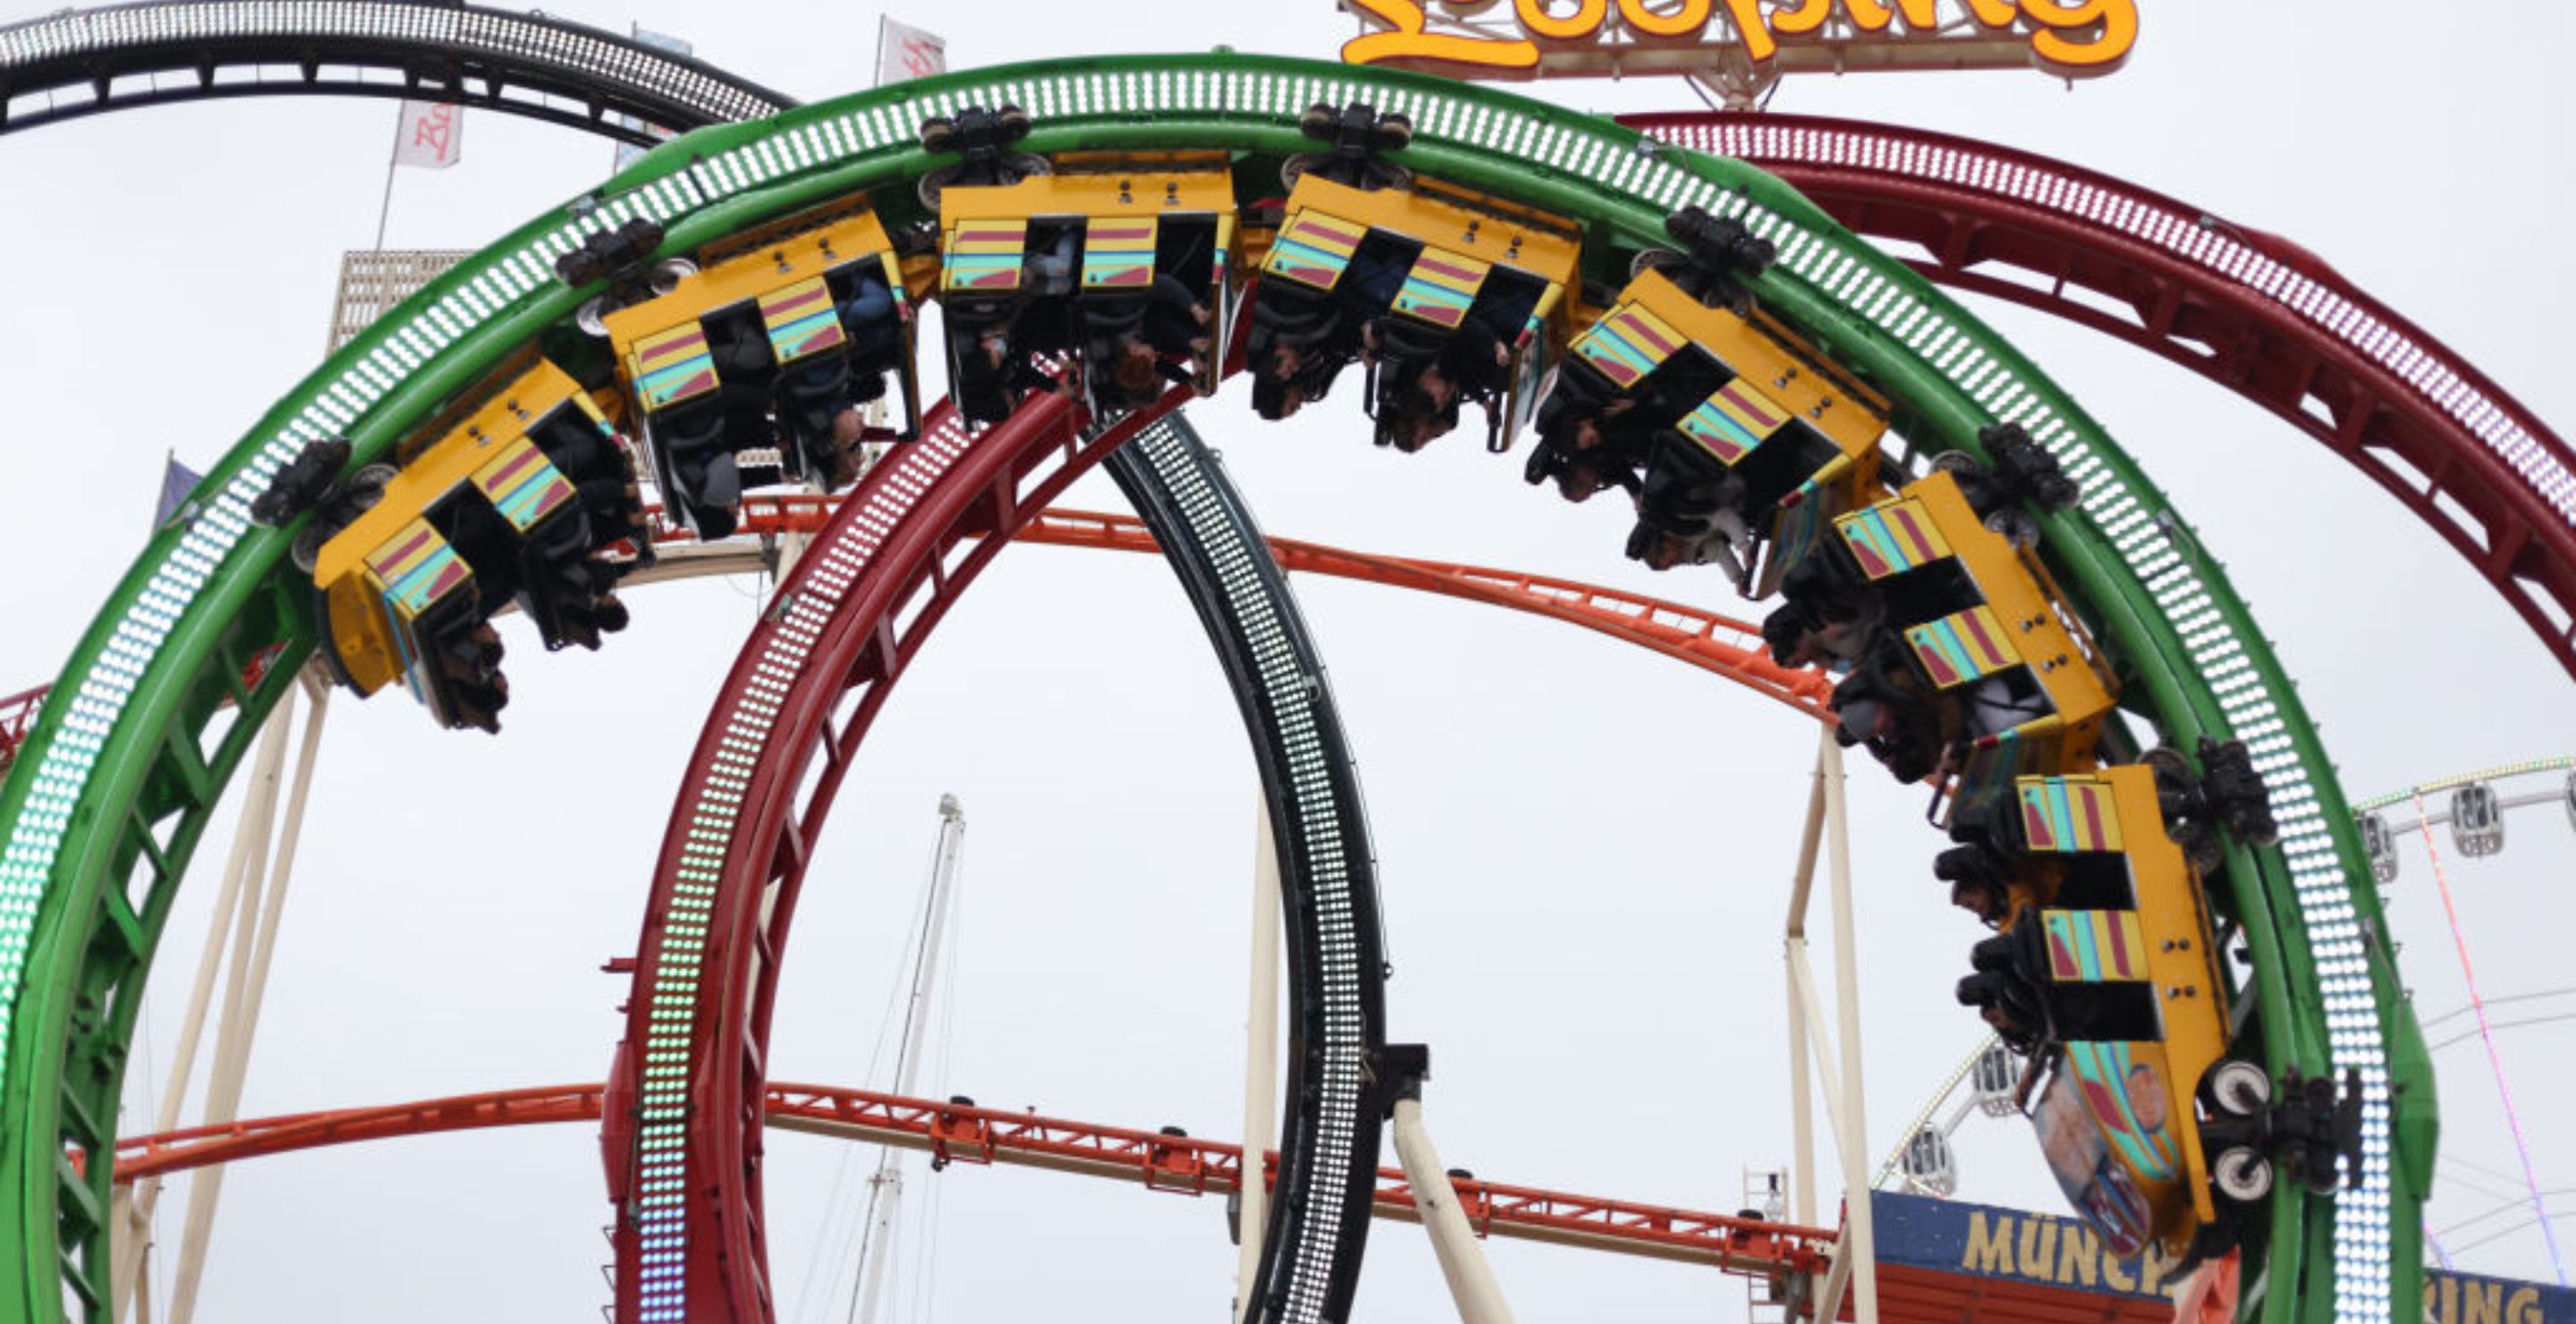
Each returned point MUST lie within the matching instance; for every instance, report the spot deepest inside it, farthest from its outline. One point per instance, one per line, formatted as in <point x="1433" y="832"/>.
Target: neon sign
<point x="1519" y="39"/>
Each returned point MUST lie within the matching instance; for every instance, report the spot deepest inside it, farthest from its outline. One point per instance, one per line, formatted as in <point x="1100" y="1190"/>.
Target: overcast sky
<point x="1583" y="898"/>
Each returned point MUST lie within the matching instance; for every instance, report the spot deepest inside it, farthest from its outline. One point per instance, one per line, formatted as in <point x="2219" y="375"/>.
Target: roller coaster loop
<point x="110" y="793"/>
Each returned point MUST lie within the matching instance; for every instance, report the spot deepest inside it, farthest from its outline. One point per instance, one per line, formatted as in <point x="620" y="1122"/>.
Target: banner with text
<point x="430" y="134"/>
<point x="904" y="51"/>
<point x="2050" y="1251"/>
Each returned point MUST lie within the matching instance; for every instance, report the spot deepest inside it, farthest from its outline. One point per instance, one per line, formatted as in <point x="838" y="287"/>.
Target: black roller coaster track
<point x="87" y="61"/>
<point x="1327" y="869"/>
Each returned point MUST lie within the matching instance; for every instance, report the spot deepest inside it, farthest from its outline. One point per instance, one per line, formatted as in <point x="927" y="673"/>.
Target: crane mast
<point x="885" y="1188"/>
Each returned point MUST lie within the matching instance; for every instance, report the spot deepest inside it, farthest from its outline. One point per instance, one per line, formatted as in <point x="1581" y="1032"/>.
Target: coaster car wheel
<point x="2241" y="1175"/>
<point x="668" y="273"/>
<point x="340" y="507"/>
<point x="2235" y="1087"/>
<point x="1654" y="259"/>
<point x="303" y="484"/>
<point x="1375" y="174"/>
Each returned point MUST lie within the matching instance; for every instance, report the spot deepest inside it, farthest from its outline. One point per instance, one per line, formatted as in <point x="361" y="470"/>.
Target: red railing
<point x="17" y="718"/>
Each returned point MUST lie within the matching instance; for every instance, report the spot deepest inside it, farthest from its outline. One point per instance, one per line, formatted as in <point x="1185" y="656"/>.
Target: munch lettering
<point x="2059" y="1252"/>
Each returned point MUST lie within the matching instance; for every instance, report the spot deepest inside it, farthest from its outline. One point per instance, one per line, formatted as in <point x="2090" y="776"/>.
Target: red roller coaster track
<point x="1715" y="643"/>
<point x="963" y="1133"/>
<point x="2248" y="310"/>
<point x="867" y="594"/>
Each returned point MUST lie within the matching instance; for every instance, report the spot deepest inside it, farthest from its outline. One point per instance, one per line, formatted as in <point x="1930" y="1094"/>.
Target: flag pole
<point x="393" y="160"/>
<point x="878" y="77"/>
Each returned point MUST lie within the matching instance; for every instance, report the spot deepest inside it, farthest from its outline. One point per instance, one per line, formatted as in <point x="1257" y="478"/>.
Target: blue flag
<point x="177" y="482"/>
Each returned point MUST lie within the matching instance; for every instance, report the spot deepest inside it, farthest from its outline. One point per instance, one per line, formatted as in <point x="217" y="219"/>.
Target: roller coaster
<point x="2023" y="624"/>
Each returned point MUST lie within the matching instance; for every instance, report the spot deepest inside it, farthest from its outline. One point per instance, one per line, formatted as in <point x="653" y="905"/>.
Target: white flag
<point x="660" y="41"/>
<point x="904" y="51"/>
<point x="429" y="134"/>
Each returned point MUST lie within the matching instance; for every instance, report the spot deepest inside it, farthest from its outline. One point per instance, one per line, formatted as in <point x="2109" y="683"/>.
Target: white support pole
<point x="1802" y="978"/>
<point x="1802" y="985"/>
<point x="1802" y="1110"/>
<point x="790" y="548"/>
<point x="1834" y="1055"/>
<point x="131" y="1233"/>
<point x="1829" y="1299"/>
<point x="207" y="1185"/>
<point x="1260" y="1062"/>
<point x="1453" y="1242"/>
<point x="885" y="1189"/>
<point x="1860" y="1235"/>
<point x="255" y="944"/>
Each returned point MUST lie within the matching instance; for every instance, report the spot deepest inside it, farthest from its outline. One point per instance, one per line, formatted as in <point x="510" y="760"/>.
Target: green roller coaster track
<point x="107" y="801"/>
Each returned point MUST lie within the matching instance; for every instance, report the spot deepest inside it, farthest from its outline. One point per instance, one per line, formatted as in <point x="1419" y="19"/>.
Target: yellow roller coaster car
<point x="798" y="320"/>
<point x="1057" y="258"/>
<point x="1751" y="400"/>
<point x="2107" y="974"/>
<point x="479" y="513"/>
<point x="1975" y="671"/>
<point x="1437" y="256"/>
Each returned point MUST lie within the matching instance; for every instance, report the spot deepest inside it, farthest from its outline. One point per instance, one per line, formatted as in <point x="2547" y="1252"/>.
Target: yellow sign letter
<point x="1406" y="42"/>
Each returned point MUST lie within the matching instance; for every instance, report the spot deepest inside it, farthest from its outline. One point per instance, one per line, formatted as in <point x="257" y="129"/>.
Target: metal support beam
<point x="270" y="866"/>
<point x="131" y="1228"/>
<point x="1260" y="1057"/>
<point x="1834" y="1056"/>
<point x="1802" y="1178"/>
<point x="1453" y="1242"/>
<point x="1859" y="1229"/>
<point x="885" y="1189"/>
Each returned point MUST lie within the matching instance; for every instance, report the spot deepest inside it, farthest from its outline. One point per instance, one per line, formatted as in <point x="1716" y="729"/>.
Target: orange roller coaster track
<point x="962" y="1133"/>
<point x="1711" y="642"/>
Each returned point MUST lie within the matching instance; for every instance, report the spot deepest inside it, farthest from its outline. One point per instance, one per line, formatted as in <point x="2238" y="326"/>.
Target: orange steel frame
<point x="1705" y="639"/>
<point x="960" y="1133"/>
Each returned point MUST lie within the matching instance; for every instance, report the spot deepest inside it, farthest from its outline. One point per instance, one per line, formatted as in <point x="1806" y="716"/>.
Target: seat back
<point x="1440" y="287"/>
<point x="984" y="256"/>
<point x="1313" y="248"/>
<point x="1117" y="254"/>
<point x="801" y="321"/>
<point x="523" y="485"/>
<point x="671" y="367"/>
<point x="411" y="576"/>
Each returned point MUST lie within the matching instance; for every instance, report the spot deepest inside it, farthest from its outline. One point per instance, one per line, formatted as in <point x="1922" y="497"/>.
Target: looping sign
<point x="1475" y="38"/>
